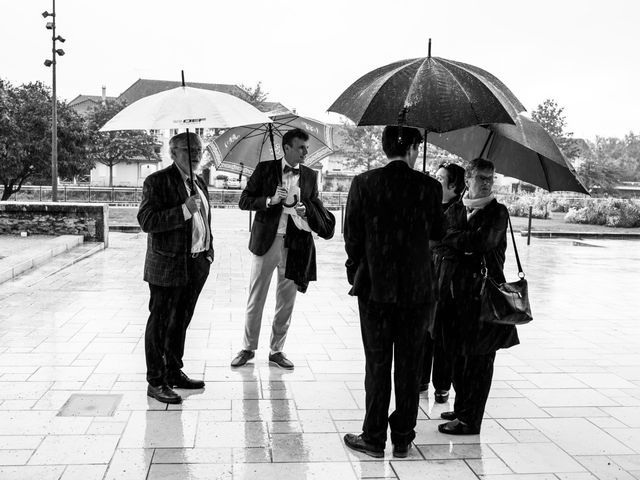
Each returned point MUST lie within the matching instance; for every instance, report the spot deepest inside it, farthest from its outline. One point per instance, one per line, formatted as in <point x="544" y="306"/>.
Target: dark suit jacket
<point x="392" y="213"/>
<point x="262" y="184"/>
<point x="169" y="234"/>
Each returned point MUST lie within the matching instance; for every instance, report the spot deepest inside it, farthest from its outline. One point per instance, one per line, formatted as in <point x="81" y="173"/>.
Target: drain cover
<point x="86" y="405"/>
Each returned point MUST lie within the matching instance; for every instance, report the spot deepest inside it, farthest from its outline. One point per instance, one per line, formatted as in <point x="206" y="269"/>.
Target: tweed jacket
<point x="169" y="235"/>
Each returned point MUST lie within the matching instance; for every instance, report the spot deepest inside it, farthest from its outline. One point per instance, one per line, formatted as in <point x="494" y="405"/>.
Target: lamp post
<point x="54" y="102"/>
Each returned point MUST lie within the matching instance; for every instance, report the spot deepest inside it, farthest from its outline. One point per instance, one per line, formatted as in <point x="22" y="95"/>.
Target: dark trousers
<point x="472" y="377"/>
<point x="434" y="355"/>
<point x="392" y="333"/>
<point x="171" y="309"/>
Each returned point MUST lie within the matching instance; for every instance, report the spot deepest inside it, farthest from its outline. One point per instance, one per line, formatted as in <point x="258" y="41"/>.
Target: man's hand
<point x="193" y="203"/>
<point x="301" y="210"/>
<point x="281" y="194"/>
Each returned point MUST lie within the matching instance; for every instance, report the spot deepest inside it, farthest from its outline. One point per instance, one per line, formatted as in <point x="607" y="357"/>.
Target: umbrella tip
<point x="429" y="51"/>
<point x="182" y="74"/>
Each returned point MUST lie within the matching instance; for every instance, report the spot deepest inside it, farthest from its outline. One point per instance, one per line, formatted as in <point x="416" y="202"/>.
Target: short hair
<point x="396" y="140"/>
<point x="455" y="175"/>
<point x="182" y="138"/>
<point x="288" y="137"/>
<point x="478" y="164"/>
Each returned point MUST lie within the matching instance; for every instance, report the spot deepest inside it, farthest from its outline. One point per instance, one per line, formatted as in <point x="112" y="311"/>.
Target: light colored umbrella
<point x="524" y="151"/>
<point x="186" y="107"/>
<point x="240" y="149"/>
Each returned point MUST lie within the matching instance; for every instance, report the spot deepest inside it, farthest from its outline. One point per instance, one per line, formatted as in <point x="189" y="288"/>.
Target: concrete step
<point x="55" y="265"/>
<point x="34" y="252"/>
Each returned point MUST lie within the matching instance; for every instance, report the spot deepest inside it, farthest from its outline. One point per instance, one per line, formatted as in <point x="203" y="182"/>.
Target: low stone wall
<point x="90" y="220"/>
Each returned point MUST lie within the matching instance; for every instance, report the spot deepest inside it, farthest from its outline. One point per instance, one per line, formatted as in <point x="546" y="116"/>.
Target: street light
<point x="54" y="102"/>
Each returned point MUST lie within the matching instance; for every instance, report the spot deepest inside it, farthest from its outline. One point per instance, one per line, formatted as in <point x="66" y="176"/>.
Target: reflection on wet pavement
<point x="565" y="404"/>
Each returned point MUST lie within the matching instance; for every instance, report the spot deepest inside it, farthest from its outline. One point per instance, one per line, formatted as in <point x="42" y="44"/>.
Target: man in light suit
<point x="392" y="213"/>
<point x="177" y="218"/>
<point x="285" y="195"/>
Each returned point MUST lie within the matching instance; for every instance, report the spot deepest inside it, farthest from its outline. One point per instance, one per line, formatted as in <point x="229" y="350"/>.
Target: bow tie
<point x="295" y="171"/>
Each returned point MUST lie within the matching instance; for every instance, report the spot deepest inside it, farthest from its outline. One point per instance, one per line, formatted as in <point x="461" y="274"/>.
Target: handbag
<point x="505" y="303"/>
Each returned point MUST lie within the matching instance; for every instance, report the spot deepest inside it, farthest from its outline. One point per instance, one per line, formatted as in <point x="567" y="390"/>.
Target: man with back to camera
<point x="392" y="213"/>
<point x="177" y="218"/>
<point x="285" y="195"/>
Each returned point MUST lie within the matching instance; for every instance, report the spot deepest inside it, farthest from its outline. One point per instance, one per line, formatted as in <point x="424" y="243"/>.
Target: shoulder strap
<point x="515" y="248"/>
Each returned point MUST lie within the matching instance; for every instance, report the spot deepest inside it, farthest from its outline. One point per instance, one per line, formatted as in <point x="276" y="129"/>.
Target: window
<point x="200" y="131"/>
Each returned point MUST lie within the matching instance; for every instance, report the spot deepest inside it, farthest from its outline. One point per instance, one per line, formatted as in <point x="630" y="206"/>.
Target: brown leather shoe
<point x="164" y="394"/>
<point x="357" y="443"/>
<point x="242" y="358"/>
<point x="280" y="360"/>
<point x="182" y="381"/>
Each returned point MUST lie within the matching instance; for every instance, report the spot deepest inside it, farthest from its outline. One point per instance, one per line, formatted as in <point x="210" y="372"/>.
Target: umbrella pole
<point x="193" y="187"/>
<point x="424" y="150"/>
<point x="273" y="147"/>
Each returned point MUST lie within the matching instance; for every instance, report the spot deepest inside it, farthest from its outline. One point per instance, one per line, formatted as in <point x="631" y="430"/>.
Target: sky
<point x="583" y="54"/>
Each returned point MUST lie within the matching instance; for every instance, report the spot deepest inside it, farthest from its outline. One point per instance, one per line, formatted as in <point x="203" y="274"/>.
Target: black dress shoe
<point x="456" y="427"/>
<point x="242" y="358"/>
<point x="356" y="442"/>
<point x="182" y="381"/>
<point x="280" y="360"/>
<point x="164" y="394"/>
<point x="448" y="415"/>
<point x="441" y="396"/>
<point x="401" y="451"/>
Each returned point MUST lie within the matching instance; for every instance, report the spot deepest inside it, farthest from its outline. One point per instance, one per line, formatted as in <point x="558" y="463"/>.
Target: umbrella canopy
<point x="524" y="151"/>
<point x="432" y="93"/>
<point x="241" y="148"/>
<point x="186" y="107"/>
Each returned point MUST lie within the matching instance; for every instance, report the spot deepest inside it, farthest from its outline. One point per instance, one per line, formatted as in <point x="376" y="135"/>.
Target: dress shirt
<point x="200" y="238"/>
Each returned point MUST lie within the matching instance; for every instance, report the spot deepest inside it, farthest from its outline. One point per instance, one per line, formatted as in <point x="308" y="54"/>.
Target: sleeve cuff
<point x="186" y="212"/>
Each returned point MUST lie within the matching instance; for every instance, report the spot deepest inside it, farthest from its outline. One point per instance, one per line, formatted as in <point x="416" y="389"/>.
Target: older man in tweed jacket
<point x="177" y="218"/>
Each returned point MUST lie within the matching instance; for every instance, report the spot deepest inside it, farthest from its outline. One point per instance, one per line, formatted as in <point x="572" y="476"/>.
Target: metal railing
<point x="133" y="195"/>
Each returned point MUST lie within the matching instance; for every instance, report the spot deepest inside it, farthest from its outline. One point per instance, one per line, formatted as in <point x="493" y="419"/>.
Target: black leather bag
<point x="505" y="303"/>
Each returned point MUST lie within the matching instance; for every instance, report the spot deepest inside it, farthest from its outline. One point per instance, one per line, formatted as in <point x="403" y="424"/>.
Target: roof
<point x="88" y="98"/>
<point x="144" y="87"/>
<point x="274" y="108"/>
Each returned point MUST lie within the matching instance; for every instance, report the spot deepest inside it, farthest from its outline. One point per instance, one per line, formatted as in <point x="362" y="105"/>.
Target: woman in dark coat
<point x="476" y="233"/>
<point x="451" y="177"/>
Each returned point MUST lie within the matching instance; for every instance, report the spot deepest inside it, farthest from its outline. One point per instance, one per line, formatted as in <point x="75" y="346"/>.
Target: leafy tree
<point x="25" y="137"/>
<point x="550" y="115"/>
<point x="111" y="148"/>
<point x="256" y="96"/>
<point x="600" y="169"/>
<point x="361" y="146"/>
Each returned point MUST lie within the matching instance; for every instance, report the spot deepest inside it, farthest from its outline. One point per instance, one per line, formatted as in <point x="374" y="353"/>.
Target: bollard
<point x="250" y="217"/>
<point x="529" y="227"/>
<point x="341" y="218"/>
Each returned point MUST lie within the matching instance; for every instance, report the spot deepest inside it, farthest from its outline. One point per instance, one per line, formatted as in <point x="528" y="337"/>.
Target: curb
<point x="580" y="235"/>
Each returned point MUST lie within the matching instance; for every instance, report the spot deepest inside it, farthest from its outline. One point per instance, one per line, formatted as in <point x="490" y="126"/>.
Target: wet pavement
<point x="565" y="404"/>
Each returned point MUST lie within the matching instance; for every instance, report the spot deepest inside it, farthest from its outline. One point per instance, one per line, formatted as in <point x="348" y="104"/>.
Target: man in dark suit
<point x="392" y="213"/>
<point x="285" y="195"/>
<point x="177" y="218"/>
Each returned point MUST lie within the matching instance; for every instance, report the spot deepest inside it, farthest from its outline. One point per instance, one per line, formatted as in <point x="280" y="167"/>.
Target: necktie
<point x="295" y="171"/>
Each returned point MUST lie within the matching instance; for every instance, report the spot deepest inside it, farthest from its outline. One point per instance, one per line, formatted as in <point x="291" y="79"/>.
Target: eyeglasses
<point x="193" y="149"/>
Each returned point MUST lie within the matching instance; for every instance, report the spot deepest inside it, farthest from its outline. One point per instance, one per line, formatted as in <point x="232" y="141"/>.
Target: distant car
<point x="232" y="184"/>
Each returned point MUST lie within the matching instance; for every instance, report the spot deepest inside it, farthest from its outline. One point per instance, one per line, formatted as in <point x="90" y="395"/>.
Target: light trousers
<point x="262" y="268"/>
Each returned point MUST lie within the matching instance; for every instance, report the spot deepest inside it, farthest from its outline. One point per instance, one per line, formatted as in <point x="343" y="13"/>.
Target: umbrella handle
<point x="292" y="204"/>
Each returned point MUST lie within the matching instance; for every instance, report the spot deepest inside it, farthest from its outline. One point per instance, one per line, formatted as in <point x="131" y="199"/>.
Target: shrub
<point x="561" y="204"/>
<point x="519" y="207"/>
<point x="610" y="212"/>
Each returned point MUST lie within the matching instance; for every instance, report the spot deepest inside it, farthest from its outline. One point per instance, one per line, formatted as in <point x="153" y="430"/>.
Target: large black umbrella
<point x="524" y="151"/>
<point x="432" y="93"/>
